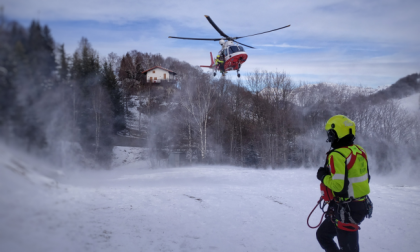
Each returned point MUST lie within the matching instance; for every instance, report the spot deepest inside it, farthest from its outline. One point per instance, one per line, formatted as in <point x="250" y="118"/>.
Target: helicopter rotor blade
<point x="215" y="39"/>
<point x="244" y="44"/>
<point x="262" y="32"/>
<point x="216" y="27"/>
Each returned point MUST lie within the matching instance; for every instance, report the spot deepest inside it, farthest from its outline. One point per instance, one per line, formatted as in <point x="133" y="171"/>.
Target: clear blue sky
<point x="370" y="43"/>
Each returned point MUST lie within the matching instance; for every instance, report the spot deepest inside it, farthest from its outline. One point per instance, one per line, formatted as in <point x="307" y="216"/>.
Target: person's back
<point x="346" y="173"/>
<point x="348" y="163"/>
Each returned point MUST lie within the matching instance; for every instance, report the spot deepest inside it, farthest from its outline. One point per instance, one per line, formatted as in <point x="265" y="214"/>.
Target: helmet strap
<point x="332" y="136"/>
<point x="344" y="141"/>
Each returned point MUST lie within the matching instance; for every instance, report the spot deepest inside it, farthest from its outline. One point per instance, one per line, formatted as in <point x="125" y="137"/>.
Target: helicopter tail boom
<point x="211" y="58"/>
<point x="212" y="62"/>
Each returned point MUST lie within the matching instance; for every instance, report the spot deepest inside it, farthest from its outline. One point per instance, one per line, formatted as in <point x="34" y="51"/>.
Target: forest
<point x="71" y="109"/>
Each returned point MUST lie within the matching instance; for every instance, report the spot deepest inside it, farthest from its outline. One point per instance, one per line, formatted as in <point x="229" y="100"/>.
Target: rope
<point x="309" y="216"/>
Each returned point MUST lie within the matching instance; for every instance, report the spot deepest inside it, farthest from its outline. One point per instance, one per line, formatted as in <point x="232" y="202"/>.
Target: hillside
<point x="402" y="88"/>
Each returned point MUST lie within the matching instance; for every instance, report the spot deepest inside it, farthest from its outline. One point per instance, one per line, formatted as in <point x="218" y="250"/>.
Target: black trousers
<point x="347" y="241"/>
<point x="222" y="67"/>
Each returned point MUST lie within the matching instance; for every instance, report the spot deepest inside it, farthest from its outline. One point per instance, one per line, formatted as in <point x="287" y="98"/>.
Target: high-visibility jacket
<point x="349" y="172"/>
<point x="218" y="61"/>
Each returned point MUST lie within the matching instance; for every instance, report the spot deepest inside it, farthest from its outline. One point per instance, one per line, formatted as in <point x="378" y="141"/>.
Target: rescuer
<point x="346" y="173"/>
<point x="221" y="63"/>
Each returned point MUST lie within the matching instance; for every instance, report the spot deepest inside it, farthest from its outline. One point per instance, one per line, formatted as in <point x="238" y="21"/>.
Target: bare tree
<point x="97" y="108"/>
<point x="198" y="100"/>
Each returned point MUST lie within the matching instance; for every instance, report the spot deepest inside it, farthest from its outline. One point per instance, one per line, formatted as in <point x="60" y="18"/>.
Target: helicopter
<point x="232" y="53"/>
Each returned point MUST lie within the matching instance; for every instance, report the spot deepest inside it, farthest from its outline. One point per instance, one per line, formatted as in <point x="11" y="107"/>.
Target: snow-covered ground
<point x="201" y="208"/>
<point x="123" y="155"/>
<point x="133" y="120"/>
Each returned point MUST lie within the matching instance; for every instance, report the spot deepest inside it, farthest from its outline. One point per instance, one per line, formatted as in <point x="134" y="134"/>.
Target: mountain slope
<point x="402" y="88"/>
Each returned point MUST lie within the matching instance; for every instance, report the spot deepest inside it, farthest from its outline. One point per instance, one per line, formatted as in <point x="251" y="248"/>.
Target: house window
<point x="153" y="71"/>
<point x="155" y="78"/>
<point x="164" y="76"/>
<point x="151" y="79"/>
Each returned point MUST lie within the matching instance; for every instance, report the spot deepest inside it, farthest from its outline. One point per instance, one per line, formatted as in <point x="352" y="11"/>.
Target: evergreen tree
<point x="85" y="75"/>
<point x="32" y="66"/>
<point x="109" y="81"/>
<point x="8" y="101"/>
<point x="97" y="103"/>
<point x="63" y="71"/>
<point x="40" y="49"/>
<point x="251" y="157"/>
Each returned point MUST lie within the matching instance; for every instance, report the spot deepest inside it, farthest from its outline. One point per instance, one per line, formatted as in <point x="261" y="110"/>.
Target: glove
<point x="322" y="172"/>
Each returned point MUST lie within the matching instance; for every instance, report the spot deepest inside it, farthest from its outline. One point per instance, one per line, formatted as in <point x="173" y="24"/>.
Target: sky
<point x="369" y="43"/>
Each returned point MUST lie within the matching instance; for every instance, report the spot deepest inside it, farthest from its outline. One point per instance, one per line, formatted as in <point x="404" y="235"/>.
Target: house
<point x="158" y="74"/>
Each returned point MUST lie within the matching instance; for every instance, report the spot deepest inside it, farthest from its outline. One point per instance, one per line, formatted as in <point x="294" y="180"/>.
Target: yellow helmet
<point x="338" y="127"/>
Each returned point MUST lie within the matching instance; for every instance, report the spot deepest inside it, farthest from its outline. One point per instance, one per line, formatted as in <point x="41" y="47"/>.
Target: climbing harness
<point x="352" y="226"/>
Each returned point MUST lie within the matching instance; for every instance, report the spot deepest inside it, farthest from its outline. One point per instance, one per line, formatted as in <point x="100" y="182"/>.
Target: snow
<point x="123" y="155"/>
<point x="411" y="103"/>
<point x="132" y="118"/>
<point x="199" y="208"/>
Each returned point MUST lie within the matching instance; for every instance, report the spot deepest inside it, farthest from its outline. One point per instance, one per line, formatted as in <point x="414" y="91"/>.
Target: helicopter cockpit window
<point x="234" y="49"/>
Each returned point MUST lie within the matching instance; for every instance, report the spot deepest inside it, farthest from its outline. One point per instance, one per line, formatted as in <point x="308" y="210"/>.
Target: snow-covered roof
<point x="145" y="72"/>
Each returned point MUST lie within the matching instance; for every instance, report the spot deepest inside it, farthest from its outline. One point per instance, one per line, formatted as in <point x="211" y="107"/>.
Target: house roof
<point x="160" y="68"/>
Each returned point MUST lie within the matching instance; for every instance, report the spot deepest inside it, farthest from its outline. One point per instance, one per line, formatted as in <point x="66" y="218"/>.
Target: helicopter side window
<point x="226" y="52"/>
